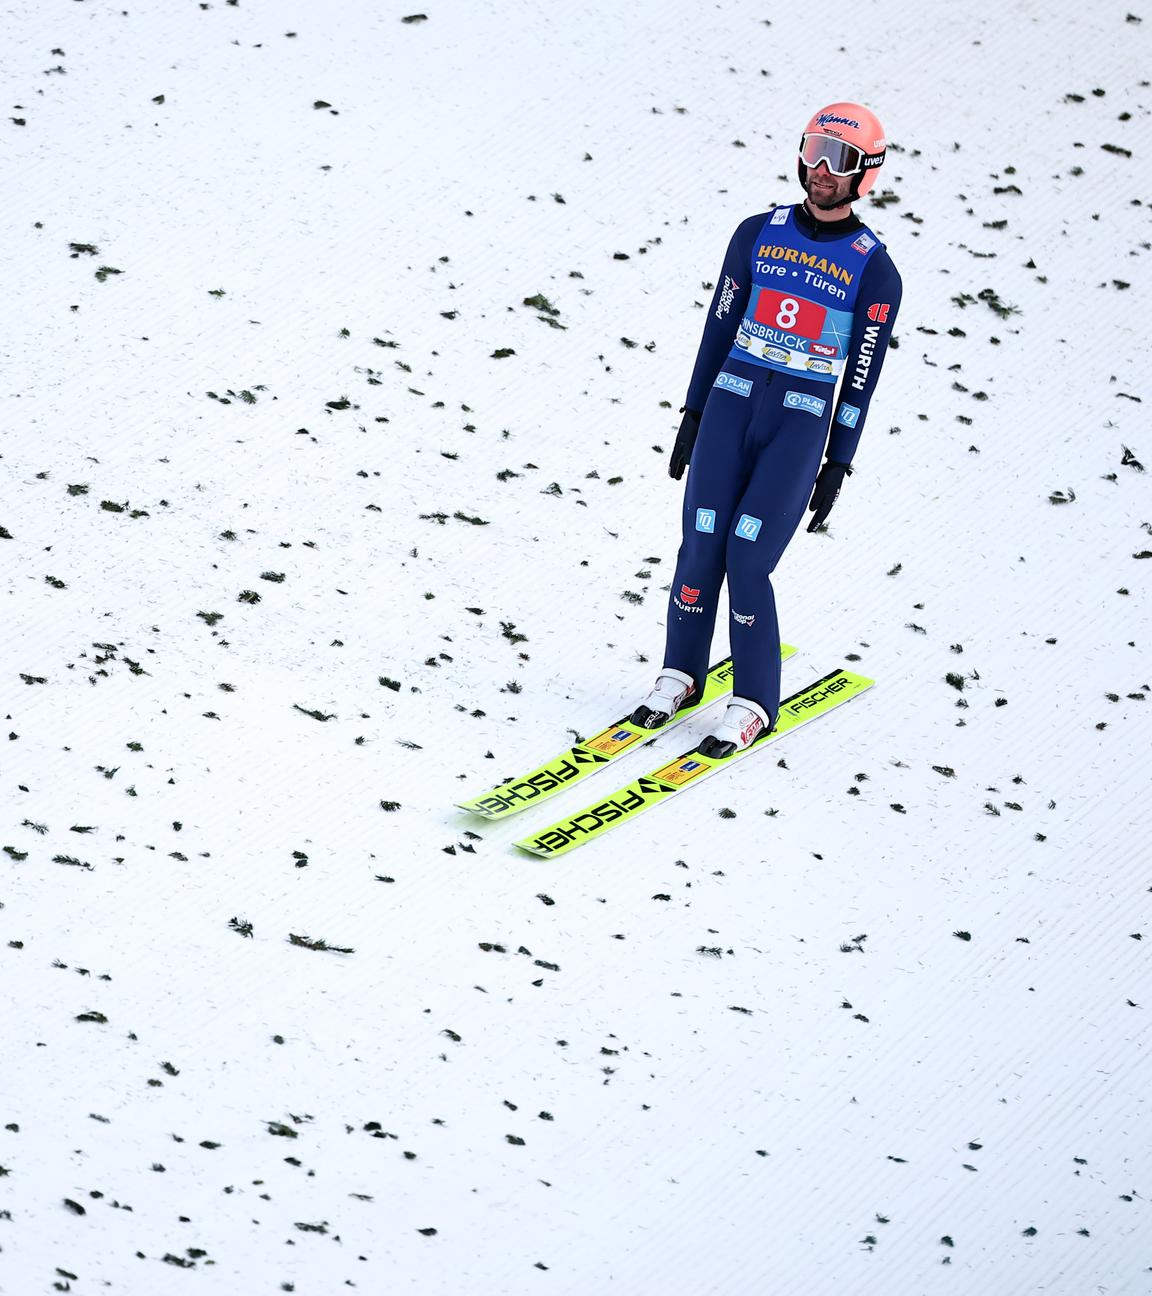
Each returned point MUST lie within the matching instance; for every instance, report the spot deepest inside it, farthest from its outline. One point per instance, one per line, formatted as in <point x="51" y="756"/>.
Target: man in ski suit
<point x="807" y="298"/>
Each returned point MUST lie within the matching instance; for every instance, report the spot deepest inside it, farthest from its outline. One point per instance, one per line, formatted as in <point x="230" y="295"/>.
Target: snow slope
<point x="869" y="1015"/>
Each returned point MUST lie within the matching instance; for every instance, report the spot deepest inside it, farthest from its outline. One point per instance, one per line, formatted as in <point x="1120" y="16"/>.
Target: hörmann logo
<point x="543" y="781"/>
<point x="590" y="821"/>
<point x="867" y="350"/>
<point x="774" y="252"/>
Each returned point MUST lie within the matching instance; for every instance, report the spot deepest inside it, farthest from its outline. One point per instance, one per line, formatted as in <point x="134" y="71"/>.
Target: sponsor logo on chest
<point x="770" y="252"/>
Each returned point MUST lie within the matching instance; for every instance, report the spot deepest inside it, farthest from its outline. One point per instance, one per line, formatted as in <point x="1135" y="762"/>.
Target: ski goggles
<point x="841" y="158"/>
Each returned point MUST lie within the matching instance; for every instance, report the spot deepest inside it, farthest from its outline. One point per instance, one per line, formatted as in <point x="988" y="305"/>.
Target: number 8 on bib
<point x="792" y="315"/>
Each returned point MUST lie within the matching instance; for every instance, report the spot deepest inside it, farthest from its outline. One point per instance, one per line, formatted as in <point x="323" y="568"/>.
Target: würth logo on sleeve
<point x="879" y="312"/>
<point x="687" y="599"/>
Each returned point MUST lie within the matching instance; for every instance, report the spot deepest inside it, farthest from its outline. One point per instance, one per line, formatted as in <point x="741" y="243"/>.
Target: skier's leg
<point x="716" y="480"/>
<point x="766" y="517"/>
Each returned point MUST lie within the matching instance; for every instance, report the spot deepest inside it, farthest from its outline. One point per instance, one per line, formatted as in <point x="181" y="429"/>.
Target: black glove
<point x="685" y="440"/>
<point x="825" y="491"/>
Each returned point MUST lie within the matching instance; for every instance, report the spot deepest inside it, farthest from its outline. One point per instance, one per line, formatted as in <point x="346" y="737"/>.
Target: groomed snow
<point x="867" y="1015"/>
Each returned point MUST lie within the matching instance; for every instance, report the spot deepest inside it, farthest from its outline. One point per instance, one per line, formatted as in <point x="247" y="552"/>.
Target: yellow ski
<point x="593" y="754"/>
<point x="820" y="697"/>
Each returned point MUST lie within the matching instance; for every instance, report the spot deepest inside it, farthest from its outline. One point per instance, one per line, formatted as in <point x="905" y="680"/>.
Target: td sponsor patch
<point x="849" y="415"/>
<point x="706" y="520"/>
<point x="803" y="401"/>
<point x="748" y="528"/>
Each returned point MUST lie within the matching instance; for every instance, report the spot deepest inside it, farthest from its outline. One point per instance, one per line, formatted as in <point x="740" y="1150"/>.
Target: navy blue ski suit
<point x="798" y="304"/>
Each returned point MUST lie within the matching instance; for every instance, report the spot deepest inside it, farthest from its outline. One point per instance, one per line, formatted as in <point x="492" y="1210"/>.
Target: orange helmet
<point x="849" y="140"/>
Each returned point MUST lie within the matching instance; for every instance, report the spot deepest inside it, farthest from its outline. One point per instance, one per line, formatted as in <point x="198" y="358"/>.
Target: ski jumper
<point x="800" y="305"/>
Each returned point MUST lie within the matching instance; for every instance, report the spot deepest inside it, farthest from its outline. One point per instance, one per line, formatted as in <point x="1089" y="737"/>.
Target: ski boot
<point x="674" y="692"/>
<point x="744" y="722"/>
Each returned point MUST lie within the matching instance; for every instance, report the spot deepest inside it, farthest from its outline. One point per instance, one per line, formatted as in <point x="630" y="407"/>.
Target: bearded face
<point x="827" y="190"/>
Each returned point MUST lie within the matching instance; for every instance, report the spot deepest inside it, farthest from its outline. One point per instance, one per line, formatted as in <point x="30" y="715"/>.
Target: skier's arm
<point x="876" y="308"/>
<point x="733" y="288"/>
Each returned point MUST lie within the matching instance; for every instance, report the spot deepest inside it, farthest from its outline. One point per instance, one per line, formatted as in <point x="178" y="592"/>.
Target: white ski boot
<point x="744" y="722"/>
<point x="674" y="692"/>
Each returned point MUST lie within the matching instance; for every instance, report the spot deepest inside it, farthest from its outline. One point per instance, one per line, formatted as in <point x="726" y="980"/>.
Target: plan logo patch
<point x="801" y="400"/>
<point x="732" y="383"/>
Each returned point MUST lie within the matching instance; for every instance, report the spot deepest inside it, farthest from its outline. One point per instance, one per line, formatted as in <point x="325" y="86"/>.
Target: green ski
<point x="589" y="757"/>
<point x="820" y="697"/>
